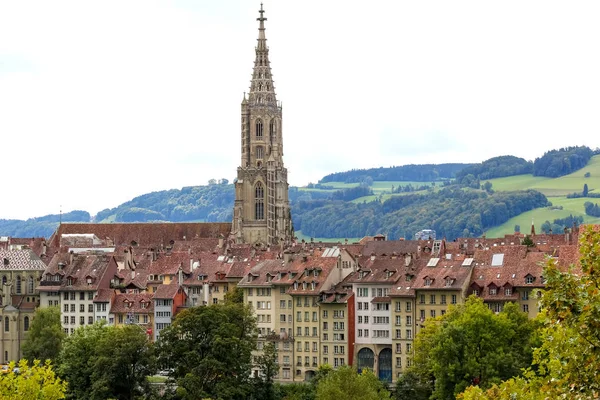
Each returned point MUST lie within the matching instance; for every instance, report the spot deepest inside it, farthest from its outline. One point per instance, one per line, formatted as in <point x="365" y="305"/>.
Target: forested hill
<point x="563" y="161"/>
<point x="496" y="167"/>
<point x="454" y="199"/>
<point x="452" y="212"/>
<point x="413" y="172"/>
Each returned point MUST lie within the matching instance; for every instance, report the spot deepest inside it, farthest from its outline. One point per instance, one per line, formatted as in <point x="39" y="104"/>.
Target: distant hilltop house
<point x="425" y="234"/>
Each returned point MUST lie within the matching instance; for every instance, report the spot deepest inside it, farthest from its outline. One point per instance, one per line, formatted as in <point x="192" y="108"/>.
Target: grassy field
<point x="553" y="186"/>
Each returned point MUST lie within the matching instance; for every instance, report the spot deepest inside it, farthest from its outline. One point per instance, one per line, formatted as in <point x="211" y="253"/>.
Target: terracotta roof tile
<point x="132" y="302"/>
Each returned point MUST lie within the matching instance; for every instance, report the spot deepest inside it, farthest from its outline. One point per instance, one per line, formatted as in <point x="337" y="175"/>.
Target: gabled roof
<point x="167" y="291"/>
<point x="121" y="300"/>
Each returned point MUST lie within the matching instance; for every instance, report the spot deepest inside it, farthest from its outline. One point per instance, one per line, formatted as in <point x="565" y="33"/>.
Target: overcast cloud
<point x="107" y="100"/>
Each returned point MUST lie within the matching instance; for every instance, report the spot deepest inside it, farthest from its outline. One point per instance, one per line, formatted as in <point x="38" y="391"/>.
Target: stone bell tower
<point x="261" y="213"/>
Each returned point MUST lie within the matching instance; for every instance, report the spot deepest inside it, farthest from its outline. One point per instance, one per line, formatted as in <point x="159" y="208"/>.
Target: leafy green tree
<point x="235" y="296"/>
<point x="101" y="362"/>
<point x="34" y="381"/>
<point x="346" y="383"/>
<point x="566" y="364"/>
<point x="45" y="335"/>
<point x="411" y="387"/>
<point x="209" y="349"/>
<point x="295" y="391"/>
<point x="585" y="190"/>
<point x="124" y="359"/>
<point x="527" y="241"/>
<point x="268" y="367"/>
<point x="472" y="345"/>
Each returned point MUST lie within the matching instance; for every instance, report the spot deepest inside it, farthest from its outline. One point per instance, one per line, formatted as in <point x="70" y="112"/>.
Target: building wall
<point x="403" y="319"/>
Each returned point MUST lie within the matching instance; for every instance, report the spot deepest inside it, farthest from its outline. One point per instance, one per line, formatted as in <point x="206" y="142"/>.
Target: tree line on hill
<point x="497" y="167"/>
<point x="214" y="202"/>
<point x="413" y="172"/>
<point x="555" y="163"/>
<point x="452" y="212"/>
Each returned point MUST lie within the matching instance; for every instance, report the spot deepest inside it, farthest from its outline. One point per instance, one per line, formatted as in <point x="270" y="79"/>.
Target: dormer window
<point x="508" y="292"/>
<point x="249" y="278"/>
<point x="449" y="282"/>
<point x="295" y="285"/>
<point x="428" y="281"/>
<point x="529" y="279"/>
<point x="127" y="304"/>
<point x="304" y="285"/>
<point x="143" y="304"/>
<point x="312" y="285"/>
<point x="493" y="291"/>
<point x="316" y="272"/>
<point x="69" y="281"/>
<point x="476" y="292"/>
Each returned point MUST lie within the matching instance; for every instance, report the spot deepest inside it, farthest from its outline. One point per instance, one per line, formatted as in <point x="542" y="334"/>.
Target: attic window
<point x="493" y="291"/>
<point x="69" y="281"/>
<point x="127" y="304"/>
<point x="249" y="278"/>
<point x="428" y="281"/>
<point x="476" y="292"/>
<point x="467" y="262"/>
<point x="312" y="286"/>
<point x="408" y="278"/>
<point x="316" y="272"/>
<point x="529" y="279"/>
<point x="389" y="273"/>
<point x="295" y="285"/>
<point x="303" y="285"/>
<point x="143" y="304"/>
<point x="449" y="282"/>
<point x="508" y="292"/>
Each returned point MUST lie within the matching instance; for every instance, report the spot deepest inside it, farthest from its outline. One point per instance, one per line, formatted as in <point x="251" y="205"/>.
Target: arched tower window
<point x="4" y="279"/>
<point x="259" y="202"/>
<point x="26" y="324"/>
<point x="30" y="285"/>
<point x="260" y="152"/>
<point x="259" y="129"/>
<point x="272" y="129"/>
<point x="18" y="284"/>
<point x="6" y="324"/>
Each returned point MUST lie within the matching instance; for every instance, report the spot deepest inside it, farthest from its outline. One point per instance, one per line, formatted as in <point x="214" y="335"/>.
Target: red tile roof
<point x="122" y="300"/>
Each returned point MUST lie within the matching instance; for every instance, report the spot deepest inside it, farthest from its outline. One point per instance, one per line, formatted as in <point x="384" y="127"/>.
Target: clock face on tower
<point x="261" y="214"/>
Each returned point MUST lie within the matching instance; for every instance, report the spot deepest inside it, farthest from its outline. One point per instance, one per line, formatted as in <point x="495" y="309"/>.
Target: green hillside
<point x="556" y="190"/>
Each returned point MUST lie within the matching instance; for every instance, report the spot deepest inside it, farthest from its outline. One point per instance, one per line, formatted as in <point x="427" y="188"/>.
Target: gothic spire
<point x="262" y="91"/>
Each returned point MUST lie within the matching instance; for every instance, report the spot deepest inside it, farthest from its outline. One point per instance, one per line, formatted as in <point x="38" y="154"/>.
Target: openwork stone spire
<point x="262" y="90"/>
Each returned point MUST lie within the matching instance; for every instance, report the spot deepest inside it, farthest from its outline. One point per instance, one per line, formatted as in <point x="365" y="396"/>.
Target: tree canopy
<point x="472" y="345"/>
<point x="102" y="362"/>
<point x="45" y="336"/>
<point x="209" y="350"/>
<point x="34" y="381"/>
<point x="346" y="383"/>
<point x="566" y="363"/>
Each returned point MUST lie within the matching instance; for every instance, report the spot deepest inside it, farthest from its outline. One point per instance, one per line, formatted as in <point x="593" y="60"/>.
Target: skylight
<point x="497" y="260"/>
<point x="433" y="262"/>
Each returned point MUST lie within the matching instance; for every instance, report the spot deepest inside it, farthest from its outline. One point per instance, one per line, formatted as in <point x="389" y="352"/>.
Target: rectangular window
<point x="422" y="315"/>
<point x="432" y="313"/>
<point x="73" y="320"/>
<point x="408" y="320"/>
<point x="443" y="301"/>
<point x="90" y="295"/>
<point x="398" y="306"/>
<point x="453" y="299"/>
<point x="82" y="308"/>
<point x="432" y="299"/>
<point x="525" y="295"/>
<point x="526" y="308"/>
<point x="408" y="306"/>
<point x="81" y="295"/>
<point x="72" y="307"/>
<point x="72" y="296"/>
<point x="325" y="314"/>
<point x="422" y="299"/>
<point x="66" y="308"/>
<point x="81" y="320"/>
<point x="90" y="320"/>
<point x="281" y="303"/>
<point x="66" y="296"/>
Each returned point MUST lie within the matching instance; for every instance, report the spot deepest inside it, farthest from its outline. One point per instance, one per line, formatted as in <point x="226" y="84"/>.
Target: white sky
<point x="102" y="101"/>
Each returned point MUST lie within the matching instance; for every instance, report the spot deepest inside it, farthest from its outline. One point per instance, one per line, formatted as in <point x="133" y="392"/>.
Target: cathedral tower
<point x="261" y="213"/>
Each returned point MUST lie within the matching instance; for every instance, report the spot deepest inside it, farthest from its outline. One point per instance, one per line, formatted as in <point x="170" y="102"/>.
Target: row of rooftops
<point x="133" y="256"/>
